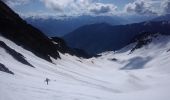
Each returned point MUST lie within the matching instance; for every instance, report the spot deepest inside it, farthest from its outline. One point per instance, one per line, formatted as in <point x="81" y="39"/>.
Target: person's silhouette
<point x="47" y="80"/>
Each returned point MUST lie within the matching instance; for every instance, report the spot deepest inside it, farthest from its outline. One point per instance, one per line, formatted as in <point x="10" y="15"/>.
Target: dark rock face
<point x="23" y="34"/>
<point x="97" y="38"/>
<point x="4" y="69"/>
<point x="168" y="50"/>
<point x="113" y="59"/>
<point x="142" y="40"/>
<point x="63" y="48"/>
<point x="17" y="56"/>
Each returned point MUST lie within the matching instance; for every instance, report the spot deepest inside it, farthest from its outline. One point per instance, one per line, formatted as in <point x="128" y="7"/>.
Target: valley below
<point x="121" y="75"/>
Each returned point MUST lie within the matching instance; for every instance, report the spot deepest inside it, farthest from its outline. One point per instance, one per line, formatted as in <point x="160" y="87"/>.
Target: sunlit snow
<point x="142" y="75"/>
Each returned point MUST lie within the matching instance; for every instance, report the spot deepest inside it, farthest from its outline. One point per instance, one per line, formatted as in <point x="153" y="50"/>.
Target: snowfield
<point x="142" y="75"/>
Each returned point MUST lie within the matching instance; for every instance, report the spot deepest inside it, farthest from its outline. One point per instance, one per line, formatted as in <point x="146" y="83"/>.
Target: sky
<point x="89" y="7"/>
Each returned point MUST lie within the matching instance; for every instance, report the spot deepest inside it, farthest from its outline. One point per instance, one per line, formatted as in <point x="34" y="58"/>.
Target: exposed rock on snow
<point x="4" y="69"/>
<point x="19" y="57"/>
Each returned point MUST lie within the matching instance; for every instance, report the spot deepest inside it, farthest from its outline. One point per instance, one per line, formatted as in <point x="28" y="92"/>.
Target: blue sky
<point x="89" y="7"/>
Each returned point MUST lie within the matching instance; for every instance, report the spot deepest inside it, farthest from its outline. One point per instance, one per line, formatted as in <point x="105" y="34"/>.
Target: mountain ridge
<point x="97" y="38"/>
<point x="59" y="27"/>
<point x="25" y="35"/>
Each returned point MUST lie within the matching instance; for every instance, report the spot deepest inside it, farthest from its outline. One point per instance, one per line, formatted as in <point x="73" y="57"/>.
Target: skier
<point x="47" y="80"/>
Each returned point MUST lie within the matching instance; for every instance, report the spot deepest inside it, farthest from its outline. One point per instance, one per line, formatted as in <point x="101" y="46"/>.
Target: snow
<point x="142" y="75"/>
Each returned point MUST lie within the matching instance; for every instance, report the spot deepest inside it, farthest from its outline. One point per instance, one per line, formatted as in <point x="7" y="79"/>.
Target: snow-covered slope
<point x="141" y="75"/>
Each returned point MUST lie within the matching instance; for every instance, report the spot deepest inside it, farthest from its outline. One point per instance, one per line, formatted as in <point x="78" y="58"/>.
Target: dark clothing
<point x="47" y="80"/>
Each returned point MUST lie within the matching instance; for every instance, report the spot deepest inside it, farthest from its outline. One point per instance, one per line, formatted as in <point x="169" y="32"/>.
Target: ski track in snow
<point x="73" y="78"/>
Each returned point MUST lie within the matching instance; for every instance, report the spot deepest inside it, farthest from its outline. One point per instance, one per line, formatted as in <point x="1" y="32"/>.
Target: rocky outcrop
<point x="17" y="56"/>
<point x="4" y="69"/>
<point x="25" y="35"/>
<point x="63" y="48"/>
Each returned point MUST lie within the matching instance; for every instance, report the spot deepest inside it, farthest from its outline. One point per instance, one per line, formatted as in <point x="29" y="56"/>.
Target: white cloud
<point x="165" y="5"/>
<point x="100" y="8"/>
<point x="148" y="7"/>
<point x="79" y="6"/>
<point x="95" y="7"/>
<point x="141" y="7"/>
<point x="16" y="2"/>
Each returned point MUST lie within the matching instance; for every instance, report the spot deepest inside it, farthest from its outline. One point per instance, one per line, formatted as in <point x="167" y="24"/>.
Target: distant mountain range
<point x="162" y="18"/>
<point x="97" y="38"/>
<point x="60" y="27"/>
